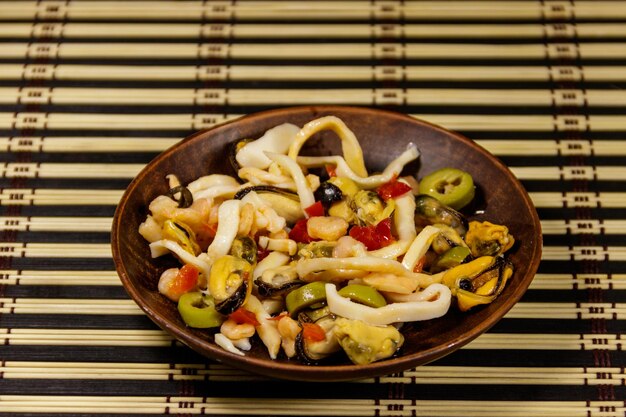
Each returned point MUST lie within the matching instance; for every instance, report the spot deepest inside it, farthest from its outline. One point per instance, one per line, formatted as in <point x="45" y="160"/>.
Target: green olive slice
<point x="198" y="310"/>
<point x="451" y="186"/>
<point x="363" y="294"/>
<point x="309" y="295"/>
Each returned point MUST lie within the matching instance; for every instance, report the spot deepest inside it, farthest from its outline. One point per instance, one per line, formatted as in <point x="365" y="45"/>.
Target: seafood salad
<point x="312" y="256"/>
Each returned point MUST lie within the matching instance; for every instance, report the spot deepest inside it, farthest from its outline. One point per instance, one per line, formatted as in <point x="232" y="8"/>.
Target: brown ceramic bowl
<point x="383" y="135"/>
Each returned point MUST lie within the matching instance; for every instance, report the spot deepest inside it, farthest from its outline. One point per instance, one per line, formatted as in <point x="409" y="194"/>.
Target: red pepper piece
<point x="299" y="233"/>
<point x="373" y="237"/>
<point x="315" y="209"/>
<point x="313" y="332"/>
<point x="393" y="189"/>
<point x="186" y="280"/>
<point x="331" y="170"/>
<point x="243" y="316"/>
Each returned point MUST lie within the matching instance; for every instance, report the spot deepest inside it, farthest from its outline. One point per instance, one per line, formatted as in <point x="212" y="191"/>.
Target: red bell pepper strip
<point x="185" y="280"/>
<point x="299" y="232"/>
<point x="331" y="170"/>
<point x="243" y="316"/>
<point x="393" y="189"/>
<point x="373" y="237"/>
<point x="315" y="209"/>
<point x="313" y="332"/>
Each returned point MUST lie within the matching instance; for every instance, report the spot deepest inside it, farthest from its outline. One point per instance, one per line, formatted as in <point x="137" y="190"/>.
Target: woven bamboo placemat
<point x="91" y="91"/>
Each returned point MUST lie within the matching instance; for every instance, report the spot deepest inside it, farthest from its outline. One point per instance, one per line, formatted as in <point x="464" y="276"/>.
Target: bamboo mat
<point x="91" y="91"/>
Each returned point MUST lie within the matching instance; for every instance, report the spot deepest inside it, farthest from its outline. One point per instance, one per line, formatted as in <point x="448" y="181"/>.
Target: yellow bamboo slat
<point x="56" y="250"/>
<point x="239" y="30"/>
<point x="42" y="71"/>
<point x="56" y="224"/>
<point x="70" y="306"/>
<point x="105" y="337"/>
<point x="63" y="197"/>
<point x="571" y="173"/>
<point x="363" y="407"/>
<point x="361" y="96"/>
<point x="71" y="170"/>
<point x="321" y="10"/>
<point x="558" y="281"/>
<point x="568" y="311"/>
<point x="440" y="374"/>
<point x="499" y="147"/>
<point x="85" y="144"/>
<point x="306" y="406"/>
<point x="582" y="253"/>
<point x="59" y="277"/>
<point x="568" y="147"/>
<point x="311" y="51"/>
<point x="582" y="226"/>
<point x="167" y="122"/>
<point x="578" y="199"/>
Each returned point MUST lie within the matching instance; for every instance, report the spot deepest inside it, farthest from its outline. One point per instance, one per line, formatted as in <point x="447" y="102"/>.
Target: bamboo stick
<point x="85" y="144"/>
<point x="500" y="147"/>
<point x="579" y="281"/>
<point x="321" y="10"/>
<point x="163" y="122"/>
<point x="72" y="170"/>
<point x="570" y="173"/>
<point x="307" y="406"/>
<point x="56" y="224"/>
<point x="71" y="197"/>
<point x="310" y="51"/>
<point x="59" y="277"/>
<point x="310" y="72"/>
<point x="65" y="337"/>
<point x="56" y="250"/>
<point x="362" y="96"/>
<point x="583" y="226"/>
<point x="239" y="30"/>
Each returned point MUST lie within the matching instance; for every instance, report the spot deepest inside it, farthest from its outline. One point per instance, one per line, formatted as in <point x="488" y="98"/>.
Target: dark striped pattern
<point x="90" y="91"/>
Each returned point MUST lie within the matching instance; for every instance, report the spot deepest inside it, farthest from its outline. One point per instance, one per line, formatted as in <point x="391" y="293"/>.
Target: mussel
<point x="429" y="210"/>
<point x="233" y="149"/>
<point x="312" y="315"/>
<point x="369" y="208"/>
<point x="446" y="239"/>
<point x="318" y="249"/>
<point x="284" y="202"/>
<point x="479" y="281"/>
<point x="181" y="234"/>
<point x="364" y="343"/>
<point x="312" y="352"/>
<point x="229" y="283"/>
<point x="244" y="247"/>
<point x="277" y="281"/>
<point x="485" y="238"/>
